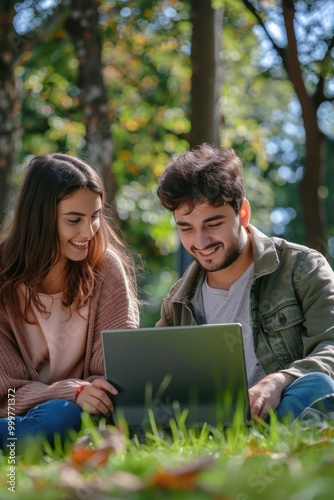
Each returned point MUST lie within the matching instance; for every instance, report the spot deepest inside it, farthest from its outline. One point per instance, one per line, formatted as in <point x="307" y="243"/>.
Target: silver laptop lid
<point x="197" y="369"/>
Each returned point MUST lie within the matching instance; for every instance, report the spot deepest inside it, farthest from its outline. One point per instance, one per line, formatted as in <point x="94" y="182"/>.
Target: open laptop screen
<point x="198" y="369"/>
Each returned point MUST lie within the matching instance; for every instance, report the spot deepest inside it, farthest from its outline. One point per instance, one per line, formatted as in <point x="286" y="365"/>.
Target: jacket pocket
<point x="283" y="327"/>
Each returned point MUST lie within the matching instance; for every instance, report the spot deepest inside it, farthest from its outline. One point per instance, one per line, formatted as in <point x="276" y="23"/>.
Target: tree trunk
<point x="206" y="83"/>
<point x="206" y="72"/>
<point x="9" y="108"/>
<point x="314" y="171"/>
<point x="312" y="205"/>
<point x="82" y="25"/>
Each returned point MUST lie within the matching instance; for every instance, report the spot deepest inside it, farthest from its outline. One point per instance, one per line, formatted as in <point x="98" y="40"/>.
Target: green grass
<point x="275" y="462"/>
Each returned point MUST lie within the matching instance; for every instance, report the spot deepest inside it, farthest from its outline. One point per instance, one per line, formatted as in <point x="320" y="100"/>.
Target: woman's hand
<point x="94" y="398"/>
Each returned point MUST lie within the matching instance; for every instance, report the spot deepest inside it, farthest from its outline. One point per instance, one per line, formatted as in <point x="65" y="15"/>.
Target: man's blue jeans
<point x="57" y="416"/>
<point x="303" y="393"/>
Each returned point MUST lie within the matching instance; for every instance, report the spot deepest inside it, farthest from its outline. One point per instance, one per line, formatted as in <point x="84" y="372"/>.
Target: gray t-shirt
<point x="232" y="306"/>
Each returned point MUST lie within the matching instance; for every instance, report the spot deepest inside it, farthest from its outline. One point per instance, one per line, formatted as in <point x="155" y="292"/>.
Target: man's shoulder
<point x="280" y="244"/>
<point x="297" y="251"/>
<point x="274" y="253"/>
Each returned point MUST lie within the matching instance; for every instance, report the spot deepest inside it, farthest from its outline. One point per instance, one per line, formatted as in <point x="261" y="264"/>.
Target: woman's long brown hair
<point x="31" y="247"/>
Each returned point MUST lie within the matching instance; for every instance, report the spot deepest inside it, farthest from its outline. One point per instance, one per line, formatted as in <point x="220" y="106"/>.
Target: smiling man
<point x="281" y="293"/>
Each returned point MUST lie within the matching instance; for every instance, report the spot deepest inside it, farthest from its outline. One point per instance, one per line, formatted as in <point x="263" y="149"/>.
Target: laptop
<point x="194" y="374"/>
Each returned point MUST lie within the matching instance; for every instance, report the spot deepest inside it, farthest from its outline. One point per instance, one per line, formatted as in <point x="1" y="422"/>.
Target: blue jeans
<point x="44" y="420"/>
<point x="303" y="393"/>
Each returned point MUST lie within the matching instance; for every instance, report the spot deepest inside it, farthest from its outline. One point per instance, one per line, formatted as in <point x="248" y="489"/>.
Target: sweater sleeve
<point x="16" y="378"/>
<point x="113" y="305"/>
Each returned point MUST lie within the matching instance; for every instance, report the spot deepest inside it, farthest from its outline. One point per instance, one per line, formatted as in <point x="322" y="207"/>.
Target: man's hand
<point x="94" y="397"/>
<point x="267" y="393"/>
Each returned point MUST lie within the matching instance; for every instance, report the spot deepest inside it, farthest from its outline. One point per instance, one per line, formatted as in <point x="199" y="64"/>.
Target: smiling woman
<point x="78" y="221"/>
<point x="64" y="277"/>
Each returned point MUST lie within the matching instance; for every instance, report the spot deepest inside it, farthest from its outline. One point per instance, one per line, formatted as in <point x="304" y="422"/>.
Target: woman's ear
<point x="245" y="213"/>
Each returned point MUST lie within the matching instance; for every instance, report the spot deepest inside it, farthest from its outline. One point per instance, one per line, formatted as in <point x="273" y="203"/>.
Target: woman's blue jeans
<point x="57" y="416"/>
<point x="312" y="390"/>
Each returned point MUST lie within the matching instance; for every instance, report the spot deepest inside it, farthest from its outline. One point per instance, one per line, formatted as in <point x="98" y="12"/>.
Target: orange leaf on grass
<point x="90" y="457"/>
<point x="256" y="449"/>
<point x="182" y="478"/>
<point x="86" y="455"/>
<point x="327" y="433"/>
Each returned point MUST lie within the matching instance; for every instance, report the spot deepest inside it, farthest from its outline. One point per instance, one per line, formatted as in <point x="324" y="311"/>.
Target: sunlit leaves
<point x="140" y="207"/>
<point x="147" y="72"/>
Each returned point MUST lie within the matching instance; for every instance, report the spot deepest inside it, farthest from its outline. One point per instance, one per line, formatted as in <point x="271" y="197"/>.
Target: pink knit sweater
<point x="112" y="306"/>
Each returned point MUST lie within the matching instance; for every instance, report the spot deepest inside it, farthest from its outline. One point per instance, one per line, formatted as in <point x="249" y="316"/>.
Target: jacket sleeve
<point x="316" y="293"/>
<point x="163" y="315"/>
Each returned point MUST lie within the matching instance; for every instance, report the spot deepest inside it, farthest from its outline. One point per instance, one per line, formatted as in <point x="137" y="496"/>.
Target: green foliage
<point x="50" y="116"/>
<point x="147" y="72"/>
<point x="147" y="75"/>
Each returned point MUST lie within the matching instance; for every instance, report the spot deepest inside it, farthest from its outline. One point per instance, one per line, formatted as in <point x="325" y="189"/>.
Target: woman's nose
<point x="87" y="231"/>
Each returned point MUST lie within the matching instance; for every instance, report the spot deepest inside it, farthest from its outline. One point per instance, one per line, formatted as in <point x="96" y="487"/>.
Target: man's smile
<point x="206" y="252"/>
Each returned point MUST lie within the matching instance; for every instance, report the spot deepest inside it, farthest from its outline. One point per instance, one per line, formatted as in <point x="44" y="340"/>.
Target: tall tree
<point x="206" y="72"/>
<point x="305" y="48"/>
<point x="206" y="81"/>
<point x="10" y="51"/>
<point x="14" y="42"/>
<point x="82" y="25"/>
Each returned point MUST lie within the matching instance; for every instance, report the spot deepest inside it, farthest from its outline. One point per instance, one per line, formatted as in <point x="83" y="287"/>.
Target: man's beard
<point x="232" y="254"/>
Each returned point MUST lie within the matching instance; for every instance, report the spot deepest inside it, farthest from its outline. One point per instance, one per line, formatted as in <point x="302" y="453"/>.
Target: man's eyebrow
<point x="205" y="221"/>
<point x="182" y="223"/>
<point x="213" y="218"/>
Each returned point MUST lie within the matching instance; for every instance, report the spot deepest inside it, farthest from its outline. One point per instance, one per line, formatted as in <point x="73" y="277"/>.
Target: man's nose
<point x="201" y="240"/>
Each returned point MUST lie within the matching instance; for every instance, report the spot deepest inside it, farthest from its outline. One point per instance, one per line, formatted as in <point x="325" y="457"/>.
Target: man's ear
<point x="245" y="213"/>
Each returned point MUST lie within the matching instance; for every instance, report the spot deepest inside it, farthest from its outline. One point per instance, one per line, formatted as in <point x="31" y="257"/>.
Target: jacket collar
<point x="266" y="258"/>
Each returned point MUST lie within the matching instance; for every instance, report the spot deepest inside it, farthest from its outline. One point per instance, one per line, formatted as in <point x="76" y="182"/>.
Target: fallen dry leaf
<point x="256" y="449"/>
<point x="88" y="456"/>
<point x="119" y="479"/>
<point x="182" y="478"/>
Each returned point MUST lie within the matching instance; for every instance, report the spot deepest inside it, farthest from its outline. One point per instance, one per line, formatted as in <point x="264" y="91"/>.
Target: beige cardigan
<point x="112" y="306"/>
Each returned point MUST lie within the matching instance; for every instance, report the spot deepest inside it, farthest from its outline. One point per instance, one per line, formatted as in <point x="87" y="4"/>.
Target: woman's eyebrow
<point x="73" y="213"/>
<point x="82" y="215"/>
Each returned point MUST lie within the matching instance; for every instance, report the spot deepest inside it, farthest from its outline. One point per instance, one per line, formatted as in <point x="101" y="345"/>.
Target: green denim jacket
<point x="291" y="302"/>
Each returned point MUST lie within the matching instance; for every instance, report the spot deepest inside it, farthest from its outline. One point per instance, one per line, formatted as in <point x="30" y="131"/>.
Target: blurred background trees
<point x="127" y="84"/>
<point x="301" y="35"/>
